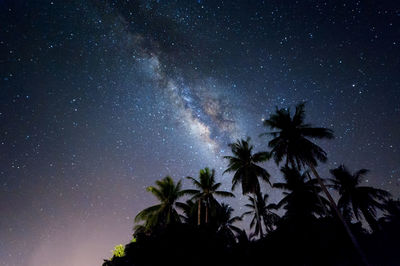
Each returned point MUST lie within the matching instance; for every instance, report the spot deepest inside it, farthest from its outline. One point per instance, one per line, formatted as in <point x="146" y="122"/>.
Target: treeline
<point x="313" y="230"/>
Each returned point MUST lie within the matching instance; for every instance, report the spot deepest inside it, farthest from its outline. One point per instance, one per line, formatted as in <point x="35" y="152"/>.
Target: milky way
<point x="195" y="99"/>
<point x="101" y="98"/>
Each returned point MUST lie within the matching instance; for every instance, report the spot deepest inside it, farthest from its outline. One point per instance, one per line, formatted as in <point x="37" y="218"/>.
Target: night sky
<point x="99" y="99"/>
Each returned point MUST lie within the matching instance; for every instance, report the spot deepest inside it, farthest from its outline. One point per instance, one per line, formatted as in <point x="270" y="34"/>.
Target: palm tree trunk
<point x="333" y="205"/>
<point x="199" y="213"/>
<point x="257" y="215"/>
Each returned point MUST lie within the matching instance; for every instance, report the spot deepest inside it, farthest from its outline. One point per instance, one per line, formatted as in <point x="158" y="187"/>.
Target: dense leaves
<point x="355" y="198"/>
<point x="291" y="138"/>
<point x="301" y="199"/>
<point x="167" y="192"/>
<point x="268" y="218"/>
<point x="244" y="165"/>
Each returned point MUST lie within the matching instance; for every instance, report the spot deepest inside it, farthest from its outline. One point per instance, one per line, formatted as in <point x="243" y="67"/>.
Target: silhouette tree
<point x="225" y="222"/>
<point x="207" y="188"/>
<point x="244" y="164"/>
<point x="167" y="192"/>
<point x="291" y="138"/>
<point x="291" y="141"/>
<point x="189" y="209"/>
<point x="301" y="196"/>
<point x="358" y="198"/>
<point x="268" y="217"/>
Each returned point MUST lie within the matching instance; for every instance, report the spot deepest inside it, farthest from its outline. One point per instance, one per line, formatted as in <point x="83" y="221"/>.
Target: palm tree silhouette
<point x="291" y="141"/>
<point x="207" y="188"/>
<point x="225" y="221"/>
<point x="301" y="196"/>
<point x="167" y="192"/>
<point x="189" y="209"/>
<point x="358" y="198"/>
<point x="291" y="138"/>
<point x="268" y="217"/>
<point x="246" y="171"/>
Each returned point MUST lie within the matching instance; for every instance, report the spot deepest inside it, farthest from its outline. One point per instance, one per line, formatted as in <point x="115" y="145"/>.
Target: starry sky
<point x="99" y="99"/>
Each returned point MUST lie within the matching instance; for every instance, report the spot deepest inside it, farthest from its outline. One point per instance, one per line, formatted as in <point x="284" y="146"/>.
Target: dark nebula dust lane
<point x="101" y="98"/>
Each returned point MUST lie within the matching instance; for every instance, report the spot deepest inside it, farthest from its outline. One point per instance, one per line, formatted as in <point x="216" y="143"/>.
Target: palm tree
<point x="207" y="188"/>
<point x="301" y="196"/>
<point x="291" y="141"/>
<point x="291" y="138"/>
<point x="167" y="192"/>
<point x="267" y="216"/>
<point x="360" y="199"/>
<point x="225" y="221"/>
<point x="189" y="209"/>
<point x="244" y="164"/>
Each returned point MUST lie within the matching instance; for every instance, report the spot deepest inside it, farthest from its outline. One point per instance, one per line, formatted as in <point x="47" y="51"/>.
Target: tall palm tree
<point x="291" y="140"/>
<point x="167" y="192"/>
<point x="207" y="188"/>
<point x="244" y="164"/>
<point x="360" y="199"/>
<point x="301" y="195"/>
<point x="267" y="216"/>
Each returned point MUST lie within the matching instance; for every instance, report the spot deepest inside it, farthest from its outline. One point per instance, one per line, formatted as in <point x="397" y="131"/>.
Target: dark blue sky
<point x="101" y="98"/>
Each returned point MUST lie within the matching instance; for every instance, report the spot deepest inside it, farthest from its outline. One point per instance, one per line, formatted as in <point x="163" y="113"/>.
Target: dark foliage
<point x="204" y="232"/>
<point x="292" y="138"/>
<point x="312" y="242"/>
<point x="300" y="196"/>
<point x="355" y="198"/>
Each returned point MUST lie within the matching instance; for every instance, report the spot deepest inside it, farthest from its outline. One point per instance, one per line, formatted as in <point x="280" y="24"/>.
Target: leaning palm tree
<point x="267" y="216"/>
<point x="360" y="199"/>
<point x="292" y="142"/>
<point x="207" y="188"/>
<point x="244" y="164"/>
<point x="167" y="192"/>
